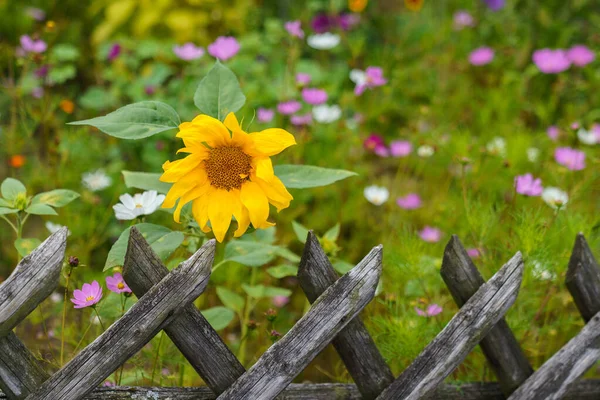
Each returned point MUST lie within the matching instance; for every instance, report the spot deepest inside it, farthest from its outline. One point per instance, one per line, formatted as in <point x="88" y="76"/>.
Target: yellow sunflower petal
<point x="221" y="205"/>
<point x="255" y="200"/>
<point x="207" y="129"/>
<point x="200" y="212"/>
<point x="177" y="169"/>
<point x="232" y="123"/>
<point x="264" y="168"/>
<point x="184" y="185"/>
<point x="243" y="220"/>
<point x="276" y="192"/>
<point x="193" y="194"/>
<point x="272" y="141"/>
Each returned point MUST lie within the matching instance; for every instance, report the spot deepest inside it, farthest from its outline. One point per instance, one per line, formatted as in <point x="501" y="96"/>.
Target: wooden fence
<point x="166" y="303"/>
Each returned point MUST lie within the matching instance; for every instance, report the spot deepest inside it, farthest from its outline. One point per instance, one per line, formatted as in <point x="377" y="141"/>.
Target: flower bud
<point x="73" y="261"/>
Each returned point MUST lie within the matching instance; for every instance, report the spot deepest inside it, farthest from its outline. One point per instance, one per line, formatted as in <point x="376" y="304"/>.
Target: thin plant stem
<point x="10" y="223"/>
<point x="45" y="329"/>
<point x="120" y="374"/>
<point x="99" y="320"/>
<point x="247" y="310"/>
<point x="162" y="334"/>
<point x="64" y="317"/>
<point x="83" y="337"/>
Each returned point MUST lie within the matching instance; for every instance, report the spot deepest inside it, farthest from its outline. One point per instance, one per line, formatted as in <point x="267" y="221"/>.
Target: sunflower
<point x="226" y="174"/>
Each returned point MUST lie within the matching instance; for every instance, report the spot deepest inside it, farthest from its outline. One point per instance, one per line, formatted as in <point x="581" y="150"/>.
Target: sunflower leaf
<point x="145" y="181"/>
<point x="219" y="93"/>
<point x="55" y="198"/>
<point x="309" y="176"/>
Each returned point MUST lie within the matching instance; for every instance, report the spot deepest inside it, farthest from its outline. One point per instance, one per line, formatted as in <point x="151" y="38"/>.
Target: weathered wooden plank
<point x="157" y="308"/>
<point x="20" y="372"/>
<point x="33" y="280"/>
<point x="499" y="346"/>
<point x="474" y="320"/>
<point x="583" y="279"/>
<point x="190" y="331"/>
<point x="284" y="360"/>
<point x="354" y="344"/>
<point x="555" y="377"/>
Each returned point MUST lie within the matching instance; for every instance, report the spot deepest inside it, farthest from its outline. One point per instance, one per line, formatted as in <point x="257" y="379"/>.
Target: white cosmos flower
<point x="358" y="76"/>
<point x="53" y="228"/>
<point x="140" y="204"/>
<point x="587" y="137"/>
<point x="323" y="41"/>
<point x="326" y="114"/>
<point x="425" y="151"/>
<point x="555" y="197"/>
<point x="533" y="153"/>
<point x="497" y="146"/>
<point x="376" y="194"/>
<point x="97" y="180"/>
<point x="541" y="272"/>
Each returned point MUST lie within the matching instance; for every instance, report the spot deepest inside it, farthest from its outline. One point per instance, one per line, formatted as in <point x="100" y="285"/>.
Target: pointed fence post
<point x="583" y="279"/>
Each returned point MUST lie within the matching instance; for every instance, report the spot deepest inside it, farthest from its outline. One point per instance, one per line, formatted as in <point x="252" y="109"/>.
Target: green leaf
<point x="300" y="230"/>
<point x="11" y="187"/>
<point x="256" y="254"/>
<point x="282" y="271"/>
<point x="333" y="233"/>
<point x="65" y="52"/>
<point x="61" y="74"/>
<point x="261" y="291"/>
<point x="219" y="93"/>
<point x="309" y="176"/>
<point x="4" y="203"/>
<point x="55" y="198"/>
<point x="8" y="210"/>
<point x="145" y="181"/>
<point x="162" y="240"/>
<point x="40" y="209"/>
<point x="136" y="121"/>
<point x="231" y="299"/>
<point x="218" y="317"/>
<point x="26" y="246"/>
<point x="342" y="266"/>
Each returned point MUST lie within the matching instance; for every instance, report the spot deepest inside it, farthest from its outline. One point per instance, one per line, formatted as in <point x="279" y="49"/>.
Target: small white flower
<point x="533" y="153"/>
<point x="326" y="114"/>
<point x="497" y="146"/>
<point x="140" y="204"/>
<point x="425" y="151"/>
<point x="358" y="76"/>
<point x="541" y="272"/>
<point x="323" y="41"/>
<point x="97" y="180"/>
<point x="53" y="228"/>
<point x="555" y="197"/>
<point x="376" y="194"/>
<point x="56" y="297"/>
<point x="587" y="137"/>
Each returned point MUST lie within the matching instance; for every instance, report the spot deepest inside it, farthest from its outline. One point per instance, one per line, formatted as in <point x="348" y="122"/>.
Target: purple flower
<point x="551" y="61"/>
<point x="117" y="284"/>
<point x="575" y="125"/>
<point x="462" y="19"/>
<point x="570" y="158"/>
<point x="348" y="21"/>
<point x="149" y="90"/>
<point x="89" y="295"/>
<point x="298" y="120"/>
<point x="36" y="13"/>
<point x="381" y="151"/>
<point x="370" y="78"/>
<point x="302" y="78"/>
<point x="32" y="46"/>
<point x="114" y="52"/>
<point x="528" y="186"/>
<point x="596" y="130"/>
<point x="431" y="311"/>
<point x="280" y="301"/>
<point x="322" y="23"/>
<point x="224" y="48"/>
<point x="481" y="56"/>
<point x="400" y="148"/>
<point x="580" y="55"/>
<point x="373" y="141"/>
<point x="294" y="28"/>
<point x="265" y="114"/>
<point x="474" y="253"/>
<point x="289" y="107"/>
<point x="314" y="96"/>
<point x="494" y="5"/>
<point x="188" y="51"/>
<point x="42" y="71"/>
<point x="409" y="202"/>
<point x="553" y="132"/>
<point x="431" y="235"/>
<point x="37" y="92"/>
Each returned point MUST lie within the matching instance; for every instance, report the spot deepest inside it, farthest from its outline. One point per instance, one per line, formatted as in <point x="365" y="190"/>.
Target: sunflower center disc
<point x="228" y="167"/>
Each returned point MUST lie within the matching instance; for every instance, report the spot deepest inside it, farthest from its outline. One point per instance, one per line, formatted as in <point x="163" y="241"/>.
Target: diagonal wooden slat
<point x="20" y="372"/>
<point x="190" y="331"/>
<point x="583" y="279"/>
<point x="500" y="346"/>
<point x="474" y="320"/>
<point x="354" y="344"/>
<point x="332" y="311"/>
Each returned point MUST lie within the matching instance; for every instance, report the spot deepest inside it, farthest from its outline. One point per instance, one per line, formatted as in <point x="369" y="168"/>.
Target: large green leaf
<point x="55" y="198"/>
<point x="309" y="176"/>
<point x="231" y="299"/>
<point x="218" y="317"/>
<point x="256" y="254"/>
<point x="281" y="271"/>
<point x="11" y="187"/>
<point x="261" y="291"/>
<point x="136" y="121"/>
<point x="145" y="181"/>
<point x="8" y="210"/>
<point x="40" y="209"/>
<point x="219" y="92"/>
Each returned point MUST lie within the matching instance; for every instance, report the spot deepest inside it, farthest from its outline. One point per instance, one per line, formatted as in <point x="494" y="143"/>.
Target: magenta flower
<point x="409" y="202"/>
<point x="302" y="78"/>
<point x="322" y="23"/>
<point x="370" y="78"/>
<point x="528" y="186"/>
<point x="400" y="148"/>
<point x="551" y="61"/>
<point x="294" y="28"/>
<point x="264" y="115"/>
<point x="373" y="141"/>
<point x="314" y="96"/>
<point x="474" y="253"/>
<point x="431" y="311"/>
<point x="553" y="132"/>
<point x="42" y="71"/>
<point x="481" y="56"/>
<point x="570" y="158"/>
<point x="224" y="48"/>
<point x="348" y="21"/>
<point x="431" y="235"/>
<point x="299" y="120"/>
<point x="289" y="107"/>
<point x="575" y="125"/>
<point x="462" y="19"/>
<point x="596" y="130"/>
<point x="32" y="46"/>
<point x="89" y="295"/>
<point x="114" y="52"/>
<point x="116" y="284"/>
<point x="580" y="55"/>
<point x="188" y="51"/>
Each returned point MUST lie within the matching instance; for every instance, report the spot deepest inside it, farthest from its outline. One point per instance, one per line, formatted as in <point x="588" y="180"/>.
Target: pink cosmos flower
<point x="381" y="151"/>
<point x="575" y="125"/>
<point x="551" y="61"/>
<point x="280" y="301"/>
<point x="294" y="28"/>
<point x="264" y="115"/>
<point x="553" y="132"/>
<point x="462" y="19"/>
<point x="431" y="235"/>
<point x="580" y="55"/>
<point x="481" y="56"/>
<point x="570" y="158"/>
<point x="298" y="120"/>
<point x="314" y="96"/>
<point x="114" y="52"/>
<point x="302" y="78"/>
<point x="289" y="107"/>
<point x="37" y="92"/>
<point x="528" y="186"/>
<point x="400" y="148"/>
<point x="373" y="141"/>
<point x="596" y="130"/>
<point x="474" y="253"/>
<point x="409" y="202"/>
<point x="188" y="51"/>
<point x="117" y="284"/>
<point x="370" y="78"/>
<point x="32" y="46"/>
<point x="88" y="295"/>
<point x="431" y="310"/>
<point x="224" y="48"/>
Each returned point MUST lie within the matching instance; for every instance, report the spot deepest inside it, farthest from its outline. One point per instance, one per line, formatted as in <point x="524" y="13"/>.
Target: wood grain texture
<point x="474" y="320"/>
<point x="583" y="279"/>
<point x="354" y="344"/>
<point x="156" y="309"/>
<point x="332" y="311"/>
<point x="190" y="331"/>
<point x="500" y="347"/>
<point x="33" y="280"/>
<point x="20" y="372"/>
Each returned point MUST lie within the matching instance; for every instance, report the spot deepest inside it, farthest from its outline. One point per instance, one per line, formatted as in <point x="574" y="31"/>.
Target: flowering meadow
<point x="387" y="122"/>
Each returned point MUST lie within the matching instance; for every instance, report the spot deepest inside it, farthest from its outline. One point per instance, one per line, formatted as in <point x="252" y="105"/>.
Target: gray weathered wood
<point x="583" y="279"/>
<point x="190" y="331"/>
<point x="332" y="311"/>
<point x="474" y="320"/>
<point x="20" y="372"/>
<point x="499" y="346"/>
<point x="564" y="368"/>
<point x="33" y="280"/>
<point x="354" y="344"/>
<point x="156" y="309"/>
